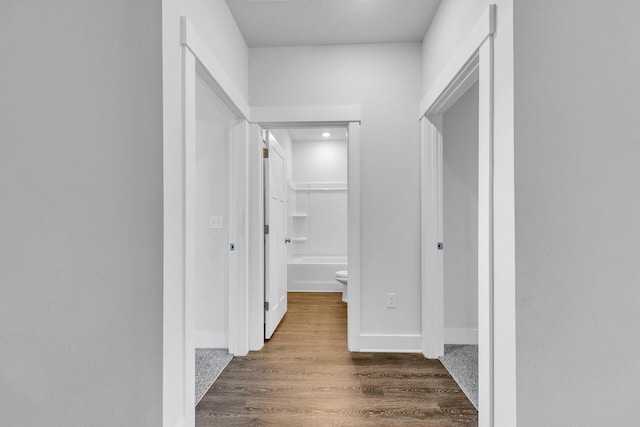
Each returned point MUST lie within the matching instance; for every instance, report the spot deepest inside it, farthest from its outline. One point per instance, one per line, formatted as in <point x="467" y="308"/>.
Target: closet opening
<point x="460" y="241"/>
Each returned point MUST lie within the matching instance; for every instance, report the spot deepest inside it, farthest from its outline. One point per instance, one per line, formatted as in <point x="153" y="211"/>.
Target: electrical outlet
<point x="391" y="300"/>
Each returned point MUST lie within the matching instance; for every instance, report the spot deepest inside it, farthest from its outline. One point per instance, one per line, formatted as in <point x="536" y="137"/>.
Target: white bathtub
<point x="315" y="273"/>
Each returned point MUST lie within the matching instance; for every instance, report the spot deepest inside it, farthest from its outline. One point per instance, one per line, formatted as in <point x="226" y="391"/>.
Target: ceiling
<point x="266" y="23"/>
<point x="315" y="134"/>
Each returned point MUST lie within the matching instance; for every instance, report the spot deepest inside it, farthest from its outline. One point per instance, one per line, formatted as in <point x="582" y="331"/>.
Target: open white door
<point x="275" y="250"/>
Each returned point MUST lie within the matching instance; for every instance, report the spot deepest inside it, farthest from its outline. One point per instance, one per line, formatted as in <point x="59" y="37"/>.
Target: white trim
<point x="485" y="238"/>
<point x="277" y="117"/>
<point x="306" y="114"/>
<point x="190" y="179"/>
<point x="223" y="85"/>
<point x="353" y="239"/>
<point x="465" y="78"/>
<point x="377" y="343"/>
<point x="472" y="61"/>
<point x="431" y="224"/>
<point x="256" y="240"/>
<point x="461" y="336"/>
<point x="484" y="27"/>
<point x="203" y="339"/>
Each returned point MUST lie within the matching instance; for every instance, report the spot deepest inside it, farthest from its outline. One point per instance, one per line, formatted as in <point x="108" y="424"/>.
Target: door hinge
<point x="266" y="306"/>
<point x="440" y="246"/>
<point x="266" y="229"/>
<point x="265" y="153"/>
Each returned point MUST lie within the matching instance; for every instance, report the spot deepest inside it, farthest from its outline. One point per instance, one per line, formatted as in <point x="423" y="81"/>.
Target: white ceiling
<point x="327" y="22"/>
<point x="315" y="134"/>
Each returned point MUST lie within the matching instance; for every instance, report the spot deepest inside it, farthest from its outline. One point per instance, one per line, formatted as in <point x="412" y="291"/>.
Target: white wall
<point x="215" y="24"/>
<point x="385" y="81"/>
<point x="461" y="220"/>
<point x="81" y="222"/>
<point x="578" y="212"/>
<point x="212" y="245"/>
<point x="320" y="161"/>
<point x="449" y="28"/>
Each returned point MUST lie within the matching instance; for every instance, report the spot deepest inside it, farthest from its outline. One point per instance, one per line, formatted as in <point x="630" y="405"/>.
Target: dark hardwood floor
<point x="305" y="376"/>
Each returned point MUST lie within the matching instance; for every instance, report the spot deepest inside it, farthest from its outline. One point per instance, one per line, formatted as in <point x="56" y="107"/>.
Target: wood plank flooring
<point x="305" y="376"/>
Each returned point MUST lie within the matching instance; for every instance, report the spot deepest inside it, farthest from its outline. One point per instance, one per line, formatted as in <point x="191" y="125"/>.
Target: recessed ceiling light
<point x="326" y="134"/>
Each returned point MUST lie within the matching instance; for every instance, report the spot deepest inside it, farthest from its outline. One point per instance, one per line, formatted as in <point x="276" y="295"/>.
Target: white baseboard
<point x="390" y="343"/>
<point x="314" y="286"/>
<point x="205" y="339"/>
<point x="461" y="336"/>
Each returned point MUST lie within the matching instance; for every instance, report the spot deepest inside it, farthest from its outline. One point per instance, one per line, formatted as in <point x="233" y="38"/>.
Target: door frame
<point x="472" y="62"/>
<point x="198" y="60"/>
<point x="272" y="117"/>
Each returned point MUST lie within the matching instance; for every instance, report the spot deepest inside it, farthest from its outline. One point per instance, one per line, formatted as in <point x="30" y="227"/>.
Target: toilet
<point x="341" y="276"/>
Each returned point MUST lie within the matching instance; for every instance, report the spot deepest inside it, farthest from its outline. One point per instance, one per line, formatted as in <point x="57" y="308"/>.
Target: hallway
<point x="306" y="376"/>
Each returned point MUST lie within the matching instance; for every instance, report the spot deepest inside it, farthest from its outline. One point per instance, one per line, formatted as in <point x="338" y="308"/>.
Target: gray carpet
<point x="209" y="364"/>
<point x="462" y="363"/>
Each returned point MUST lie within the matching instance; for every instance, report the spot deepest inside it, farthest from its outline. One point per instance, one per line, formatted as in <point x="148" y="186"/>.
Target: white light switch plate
<point x="391" y="300"/>
<point x="215" y="221"/>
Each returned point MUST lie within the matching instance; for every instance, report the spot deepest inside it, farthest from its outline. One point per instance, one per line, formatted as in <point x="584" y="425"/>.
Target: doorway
<point x="213" y="214"/>
<point x="306" y="213"/>
<point x="273" y="117"/>
<point x="214" y="245"/>
<point x="214" y="123"/>
<point x="473" y="63"/>
<point x="460" y="241"/>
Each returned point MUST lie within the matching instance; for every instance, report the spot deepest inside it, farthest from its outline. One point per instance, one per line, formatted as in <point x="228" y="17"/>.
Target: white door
<point x="275" y="249"/>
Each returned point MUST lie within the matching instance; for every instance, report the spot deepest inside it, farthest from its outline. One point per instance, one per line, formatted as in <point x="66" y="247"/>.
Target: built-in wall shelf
<point x="318" y="186"/>
<point x="298" y="215"/>
<point x="298" y="239"/>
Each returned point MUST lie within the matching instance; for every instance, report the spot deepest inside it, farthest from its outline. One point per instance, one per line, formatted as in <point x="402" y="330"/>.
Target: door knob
<point x="287" y="240"/>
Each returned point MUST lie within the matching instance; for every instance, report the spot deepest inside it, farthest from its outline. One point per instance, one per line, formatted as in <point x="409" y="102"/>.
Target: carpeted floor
<point x="462" y="363"/>
<point x="209" y="364"/>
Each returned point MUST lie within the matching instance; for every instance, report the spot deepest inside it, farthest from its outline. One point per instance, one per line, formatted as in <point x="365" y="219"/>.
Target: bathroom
<point x="317" y="208"/>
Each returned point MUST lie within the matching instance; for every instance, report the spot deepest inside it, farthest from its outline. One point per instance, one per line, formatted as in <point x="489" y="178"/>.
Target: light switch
<point x="215" y="221"/>
<point x="391" y="300"/>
